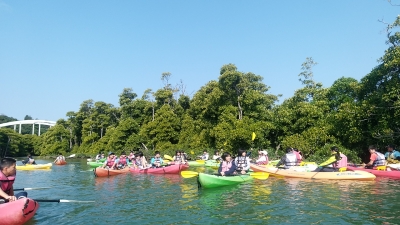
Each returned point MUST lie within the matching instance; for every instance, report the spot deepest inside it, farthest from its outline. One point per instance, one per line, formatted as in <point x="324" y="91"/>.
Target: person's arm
<point x="152" y="161"/>
<point x="331" y="160"/>
<point x="372" y="159"/>
<point x="220" y="168"/>
<point x="387" y="155"/>
<point x="397" y="155"/>
<point x="248" y="164"/>
<point x="206" y="158"/>
<point x="281" y="162"/>
<point x="104" y="164"/>
<point x="231" y="170"/>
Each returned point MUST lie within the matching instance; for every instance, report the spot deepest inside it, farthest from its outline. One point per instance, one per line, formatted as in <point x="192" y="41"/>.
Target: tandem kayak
<point x="212" y="181"/>
<point x="378" y="173"/>
<point x="347" y="175"/>
<point x="35" y="166"/>
<point x="18" y="212"/>
<point x="172" y="169"/>
<point x="60" y="163"/>
<point x="101" y="172"/>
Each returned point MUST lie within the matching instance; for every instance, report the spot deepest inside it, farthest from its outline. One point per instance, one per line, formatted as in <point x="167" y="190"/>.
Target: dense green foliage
<point x="223" y="114"/>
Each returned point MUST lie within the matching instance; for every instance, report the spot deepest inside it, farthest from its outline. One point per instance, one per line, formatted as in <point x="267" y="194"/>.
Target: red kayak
<point x="60" y="163"/>
<point x="171" y="169"/>
<point x="378" y="173"/>
<point x="17" y="212"/>
<point x="100" y="172"/>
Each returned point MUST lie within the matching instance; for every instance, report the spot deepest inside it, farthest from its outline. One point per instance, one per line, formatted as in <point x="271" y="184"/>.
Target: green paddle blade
<point x="189" y="174"/>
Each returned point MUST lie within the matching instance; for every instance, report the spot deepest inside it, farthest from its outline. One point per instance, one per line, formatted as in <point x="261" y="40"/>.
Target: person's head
<point x="263" y="152"/>
<point x="295" y="149"/>
<point x="289" y="149"/>
<point x="226" y="156"/>
<point x="7" y="166"/>
<point x="123" y="154"/>
<point x="372" y="148"/>
<point x="177" y="152"/>
<point x="334" y="149"/>
<point x="157" y="154"/>
<point x="216" y="153"/>
<point x="102" y="154"/>
<point x="141" y="154"/>
<point x="390" y="148"/>
<point x="111" y="155"/>
<point x="60" y="154"/>
<point x="205" y="152"/>
<point x="137" y="155"/>
<point x="241" y="152"/>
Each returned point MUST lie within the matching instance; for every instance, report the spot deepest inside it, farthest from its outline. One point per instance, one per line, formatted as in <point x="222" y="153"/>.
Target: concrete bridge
<point x="33" y="122"/>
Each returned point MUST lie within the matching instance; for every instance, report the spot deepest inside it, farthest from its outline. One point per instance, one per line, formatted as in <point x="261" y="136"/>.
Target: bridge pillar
<point x="33" y="129"/>
<point x="19" y="127"/>
<point x="15" y="127"/>
<point x="39" y="130"/>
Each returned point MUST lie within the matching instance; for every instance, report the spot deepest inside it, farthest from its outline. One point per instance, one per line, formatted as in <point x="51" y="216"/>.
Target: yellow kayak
<point x="35" y="167"/>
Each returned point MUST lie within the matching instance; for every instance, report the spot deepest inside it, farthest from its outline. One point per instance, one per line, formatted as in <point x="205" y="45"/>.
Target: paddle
<point x="61" y="200"/>
<point x="256" y="175"/>
<point x="201" y="161"/>
<point x="28" y="189"/>
<point x="168" y="157"/>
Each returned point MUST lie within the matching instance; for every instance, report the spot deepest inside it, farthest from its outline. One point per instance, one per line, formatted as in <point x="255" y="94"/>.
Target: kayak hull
<point x="213" y="181"/>
<point x="101" y="172"/>
<point x="194" y="163"/>
<point x="172" y="169"/>
<point x="18" y="212"/>
<point x="60" y="163"/>
<point x="212" y="163"/>
<point x="378" y="173"/>
<point x="35" y="167"/>
<point x="347" y="175"/>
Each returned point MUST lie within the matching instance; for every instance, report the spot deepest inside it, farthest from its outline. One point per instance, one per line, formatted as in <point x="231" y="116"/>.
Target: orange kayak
<point x="18" y="212"/>
<point x="60" y="163"/>
<point x="101" y="172"/>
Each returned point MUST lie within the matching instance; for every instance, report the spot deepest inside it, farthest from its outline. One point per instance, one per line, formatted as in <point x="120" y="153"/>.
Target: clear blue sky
<point x="56" y="54"/>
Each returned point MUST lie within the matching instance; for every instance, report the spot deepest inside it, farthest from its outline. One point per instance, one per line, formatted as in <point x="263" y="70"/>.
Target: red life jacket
<point x="298" y="157"/>
<point x="122" y="160"/>
<point x="6" y="183"/>
<point x="342" y="162"/>
<point x="226" y="166"/>
<point x="110" y="163"/>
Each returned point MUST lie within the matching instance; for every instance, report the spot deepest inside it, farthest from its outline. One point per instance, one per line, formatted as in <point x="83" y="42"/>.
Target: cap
<point x="264" y="152"/>
<point x="111" y="153"/>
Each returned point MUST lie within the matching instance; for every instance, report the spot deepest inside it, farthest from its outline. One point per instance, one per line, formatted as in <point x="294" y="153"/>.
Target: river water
<point x="171" y="199"/>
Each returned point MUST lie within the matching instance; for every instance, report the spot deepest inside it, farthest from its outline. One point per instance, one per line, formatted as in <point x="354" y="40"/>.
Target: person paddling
<point x="156" y="161"/>
<point x="242" y="162"/>
<point x="29" y="160"/>
<point x="227" y="166"/>
<point x="110" y="161"/>
<point x="334" y="163"/>
<point x="8" y="173"/>
<point x="376" y="159"/>
<point x="216" y="156"/>
<point x="392" y="155"/>
<point x="288" y="160"/>
<point x="179" y="158"/>
<point x="122" y="162"/>
<point x="60" y="158"/>
<point x="204" y="156"/>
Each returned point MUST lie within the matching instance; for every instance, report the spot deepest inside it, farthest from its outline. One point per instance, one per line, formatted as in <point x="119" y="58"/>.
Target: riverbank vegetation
<point x="225" y="112"/>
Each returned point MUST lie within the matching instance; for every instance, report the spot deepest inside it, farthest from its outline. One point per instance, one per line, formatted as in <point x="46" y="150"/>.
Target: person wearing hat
<point x="334" y="163"/>
<point x="376" y="159"/>
<point x="110" y="161"/>
<point x="262" y="157"/>
<point x="392" y="155"/>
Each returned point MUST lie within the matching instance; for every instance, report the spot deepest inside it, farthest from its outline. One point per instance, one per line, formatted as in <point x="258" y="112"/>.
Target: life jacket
<point x="226" y="166"/>
<point x="122" y="161"/>
<point x="131" y="156"/>
<point x="204" y="157"/>
<point x="157" y="160"/>
<point x="380" y="159"/>
<point x="6" y="183"/>
<point x="342" y="162"/>
<point x="262" y="162"/>
<point x="138" y="162"/>
<point x="178" y="158"/>
<point x="241" y="162"/>
<point x="290" y="160"/>
<point x="298" y="157"/>
<point x="391" y="155"/>
<point x="110" y="163"/>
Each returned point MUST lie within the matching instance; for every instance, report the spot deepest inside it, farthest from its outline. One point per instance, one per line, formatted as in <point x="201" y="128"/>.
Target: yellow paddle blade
<point x="189" y="174"/>
<point x="253" y="136"/>
<point x="215" y="167"/>
<point x="260" y="175"/>
<point x="168" y="157"/>
<point x="192" y="152"/>
<point x="201" y="161"/>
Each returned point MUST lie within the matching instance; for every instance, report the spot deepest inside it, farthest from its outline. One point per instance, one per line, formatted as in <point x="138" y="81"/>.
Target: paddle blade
<point x="201" y="161"/>
<point x="189" y="174"/>
<point x="260" y="175"/>
<point x="168" y="157"/>
<point x="253" y="136"/>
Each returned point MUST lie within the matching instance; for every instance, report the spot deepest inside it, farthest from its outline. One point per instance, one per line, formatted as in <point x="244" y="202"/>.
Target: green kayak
<point x="212" y="163"/>
<point x="212" y="181"/>
<point x="194" y="163"/>
<point x="97" y="164"/>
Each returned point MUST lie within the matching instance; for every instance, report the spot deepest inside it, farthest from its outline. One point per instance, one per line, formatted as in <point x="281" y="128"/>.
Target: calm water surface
<point x="171" y="199"/>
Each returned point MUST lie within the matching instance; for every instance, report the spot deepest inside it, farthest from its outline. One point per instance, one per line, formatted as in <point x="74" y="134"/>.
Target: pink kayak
<point x="172" y="169"/>
<point x="378" y="173"/>
<point x="17" y="212"/>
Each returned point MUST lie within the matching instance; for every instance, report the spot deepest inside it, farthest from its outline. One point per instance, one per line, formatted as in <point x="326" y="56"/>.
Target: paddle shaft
<point x="28" y="189"/>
